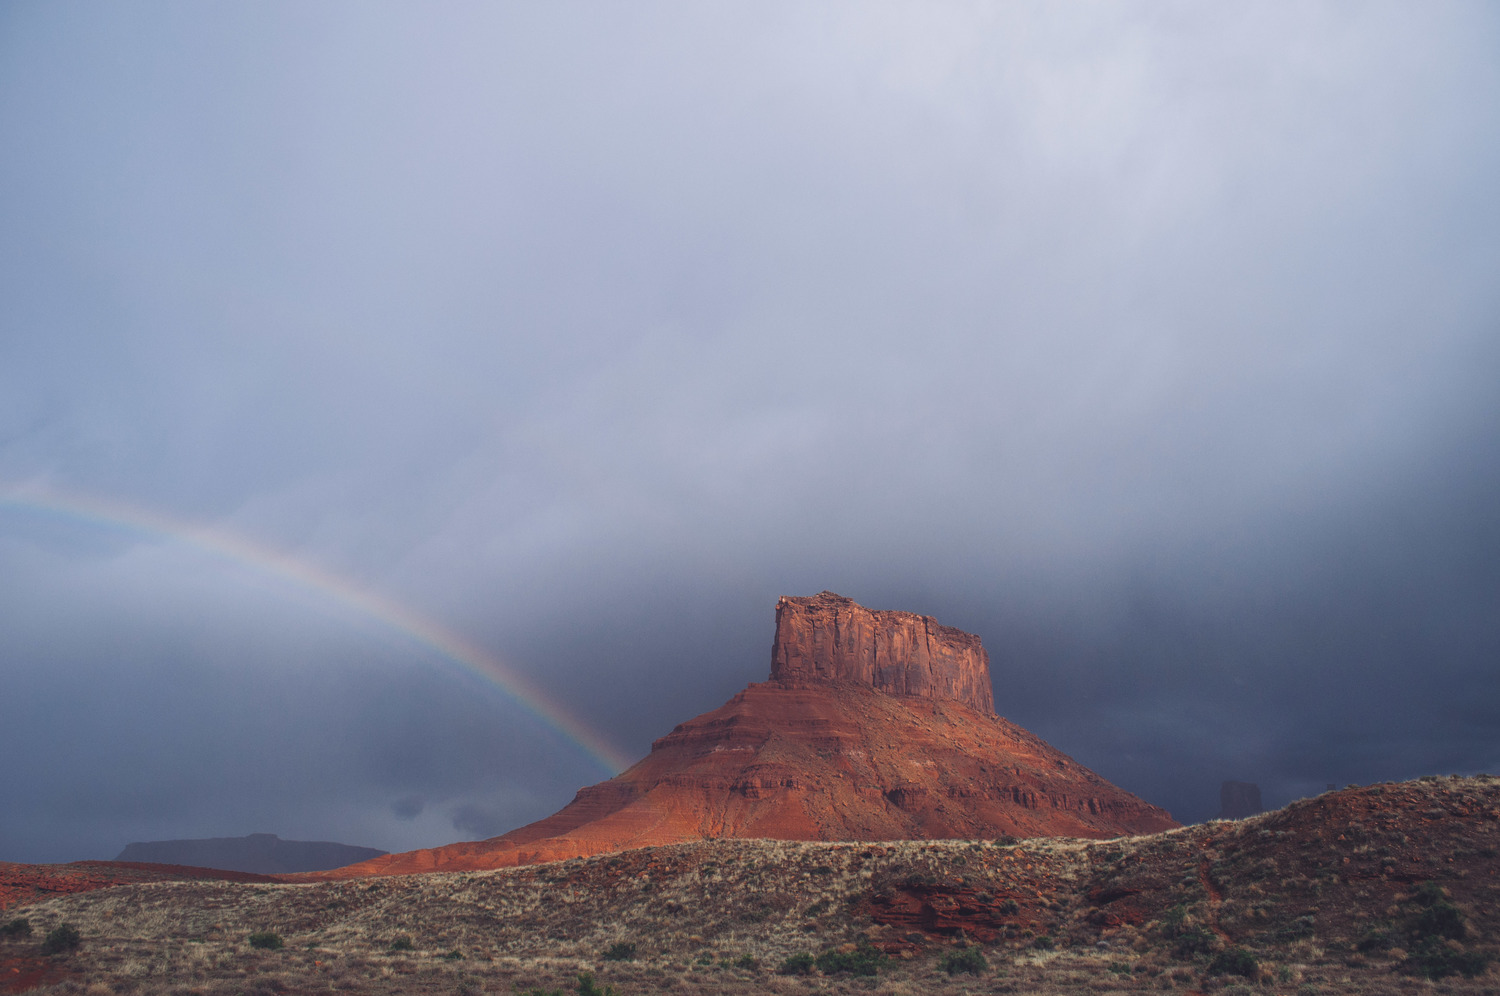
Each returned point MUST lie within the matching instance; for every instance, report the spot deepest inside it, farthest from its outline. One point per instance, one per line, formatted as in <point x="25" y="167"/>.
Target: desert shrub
<point x="817" y="909"/>
<point x="1440" y="919"/>
<point x="1428" y="893"/>
<point x="620" y="951"/>
<point x="798" y="964"/>
<point x="19" y="927"/>
<point x="965" y="959"/>
<point x="1044" y="943"/>
<point x="454" y="955"/>
<point x="539" y="991"/>
<point x="1435" y="958"/>
<point x="1193" y="941"/>
<point x="745" y="961"/>
<point x="863" y="960"/>
<point x="1010" y="907"/>
<point x="266" y="939"/>
<point x="1234" y="961"/>
<point x="64" y="938"/>
<point x="1433" y="932"/>
<point x="401" y="942"/>
<point x="1303" y="926"/>
<point x="587" y="986"/>
<point x="1377" y="939"/>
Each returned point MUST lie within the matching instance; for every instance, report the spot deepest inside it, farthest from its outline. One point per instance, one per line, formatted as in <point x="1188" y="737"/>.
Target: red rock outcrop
<point x="875" y="726"/>
<point x="829" y="638"/>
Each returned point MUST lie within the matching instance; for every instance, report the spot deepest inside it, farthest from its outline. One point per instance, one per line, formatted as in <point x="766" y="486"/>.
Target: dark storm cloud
<point x="1154" y="344"/>
<point x="478" y="822"/>
<point x="408" y="808"/>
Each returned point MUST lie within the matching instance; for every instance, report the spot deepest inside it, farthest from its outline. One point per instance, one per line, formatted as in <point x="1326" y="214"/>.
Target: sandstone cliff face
<point x="828" y="638"/>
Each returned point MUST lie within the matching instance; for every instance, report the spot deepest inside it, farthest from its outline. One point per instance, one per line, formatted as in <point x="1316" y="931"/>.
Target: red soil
<point x="26" y="972"/>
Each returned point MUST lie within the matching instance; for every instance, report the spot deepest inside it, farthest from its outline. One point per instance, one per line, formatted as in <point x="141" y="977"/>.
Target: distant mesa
<point x="874" y="725"/>
<point x="1238" y="800"/>
<point x="260" y="853"/>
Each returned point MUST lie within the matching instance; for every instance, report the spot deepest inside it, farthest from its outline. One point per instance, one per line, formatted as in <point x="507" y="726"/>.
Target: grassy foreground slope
<point x="1377" y="889"/>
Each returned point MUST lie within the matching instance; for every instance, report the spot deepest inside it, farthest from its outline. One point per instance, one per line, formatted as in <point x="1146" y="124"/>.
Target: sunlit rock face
<point x="828" y="637"/>
<point x="874" y="725"/>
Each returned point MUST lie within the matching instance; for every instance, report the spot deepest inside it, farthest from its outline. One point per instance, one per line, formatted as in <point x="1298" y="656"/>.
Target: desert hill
<point x="259" y="853"/>
<point x="21" y="884"/>
<point x="1371" y="890"/>
<point x="874" y="725"/>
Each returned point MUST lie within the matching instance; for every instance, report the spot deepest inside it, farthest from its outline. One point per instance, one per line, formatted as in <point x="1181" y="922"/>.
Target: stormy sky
<point x="1157" y="344"/>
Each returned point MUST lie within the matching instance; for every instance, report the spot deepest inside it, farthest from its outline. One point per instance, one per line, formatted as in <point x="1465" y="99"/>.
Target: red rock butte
<point x="874" y="725"/>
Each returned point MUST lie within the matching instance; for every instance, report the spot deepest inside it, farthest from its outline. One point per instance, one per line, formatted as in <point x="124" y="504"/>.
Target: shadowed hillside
<point x="1369" y="890"/>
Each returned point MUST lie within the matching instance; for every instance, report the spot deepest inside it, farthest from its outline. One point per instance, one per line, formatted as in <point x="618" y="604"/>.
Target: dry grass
<point x="1298" y="889"/>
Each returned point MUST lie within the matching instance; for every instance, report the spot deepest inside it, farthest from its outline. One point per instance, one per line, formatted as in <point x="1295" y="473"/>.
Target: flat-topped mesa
<point x="828" y="637"/>
<point x="838" y="745"/>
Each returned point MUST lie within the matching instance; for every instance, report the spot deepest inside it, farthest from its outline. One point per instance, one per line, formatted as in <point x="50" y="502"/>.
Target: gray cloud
<point x="1154" y="344"/>
<point x="480" y="822"/>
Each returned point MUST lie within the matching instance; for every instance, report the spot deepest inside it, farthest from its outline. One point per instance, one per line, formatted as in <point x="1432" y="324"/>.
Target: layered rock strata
<point x="829" y="638"/>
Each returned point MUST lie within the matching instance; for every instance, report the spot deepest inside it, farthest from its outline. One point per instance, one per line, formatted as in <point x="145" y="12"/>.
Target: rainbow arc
<point x="387" y="612"/>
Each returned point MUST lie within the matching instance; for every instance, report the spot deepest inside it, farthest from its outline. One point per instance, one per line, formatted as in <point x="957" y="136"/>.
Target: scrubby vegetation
<point x="61" y="939"/>
<point x="265" y="939"/>
<point x="620" y="951"/>
<point x="968" y="958"/>
<point x="1438" y="959"/>
<point x="1434" y="931"/>
<point x="1234" y="961"/>
<point x="1313" y="900"/>
<point x="801" y="963"/>
<point x="863" y="960"/>
<point x="587" y="986"/>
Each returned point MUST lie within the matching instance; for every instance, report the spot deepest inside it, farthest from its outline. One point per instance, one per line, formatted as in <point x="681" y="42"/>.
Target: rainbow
<point x="388" y="613"/>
